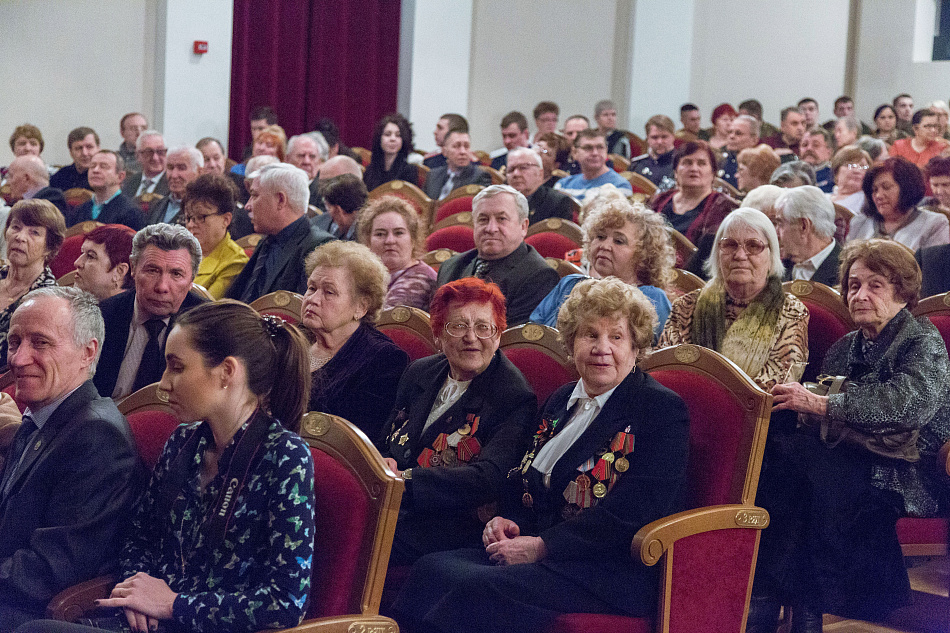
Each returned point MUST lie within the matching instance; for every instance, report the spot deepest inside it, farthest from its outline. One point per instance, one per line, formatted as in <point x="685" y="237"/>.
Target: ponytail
<point x="290" y="391"/>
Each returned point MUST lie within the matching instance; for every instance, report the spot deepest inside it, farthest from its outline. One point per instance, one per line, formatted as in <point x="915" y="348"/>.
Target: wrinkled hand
<point x="794" y="397"/>
<point x="392" y="466"/>
<point x="517" y="551"/>
<point x="144" y="599"/>
<point x="499" y="529"/>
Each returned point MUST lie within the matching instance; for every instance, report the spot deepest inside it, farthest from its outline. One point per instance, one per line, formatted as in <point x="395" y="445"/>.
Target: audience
<point x="83" y="143"/>
<point x="904" y="107"/>
<point x="525" y="171"/>
<point x="28" y="178"/>
<point x="885" y="118"/>
<point x="657" y="164"/>
<point x="26" y="140"/>
<point x="331" y="168"/>
<point x="545" y="114"/>
<point x="208" y="213"/>
<point x="692" y="122"/>
<point x="572" y="126"/>
<point x="213" y="153"/>
<point x="755" y="166"/>
<point x="392" y="144"/>
<point x="753" y="108"/>
<point x="743" y="134"/>
<point x="809" y="109"/>
<point x="805" y="223"/>
<point x="794" y="174"/>
<point x="605" y="114"/>
<point x="849" y="166"/>
<point x="926" y="141"/>
<point x="343" y="196"/>
<point x="847" y="129"/>
<point x="308" y="152"/>
<point x="590" y="148"/>
<point x="514" y="134"/>
<point x="458" y="170"/>
<point x="103" y="268"/>
<point x="182" y="167"/>
<point x="786" y="142"/>
<point x="718" y="135"/>
<point x="151" y="152"/>
<point x="108" y="204"/>
<point x="130" y="126"/>
<point x="816" y="150"/>
<point x="445" y="124"/>
<point x="555" y="152"/>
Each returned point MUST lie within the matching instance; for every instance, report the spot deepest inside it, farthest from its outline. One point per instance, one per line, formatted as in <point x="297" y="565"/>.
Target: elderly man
<point x="526" y="174"/>
<point x="213" y="153"/>
<point x="500" y="214"/>
<point x="151" y="151"/>
<point x="131" y="126"/>
<point x="846" y="131"/>
<point x="816" y="151"/>
<point x="165" y="259"/>
<point x="809" y="109"/>
<point x="108" y="204"/>
<point x="278" y="206"/>
<point x="28" y="178"/>
<point x="805" y="222"/>
<point x="692" y="121"/>
<point x="904" y="107"/>
<point x="791" y="129"/>
<point x="82" y="142"/>
<point x="743" y="134"/>
<point x="445" y="123"/>
<point x="308" y="151"/>
<point x="514" y="134"/>
<point x="590" y="147"/>
<point x="336" y="166"/>
<point x="458" y="170"/>
<point x="72" y="472"/>
<point x="182" y="166"/>
<point x="925" y="143"/>
<point x="605" y="113"/>
<point x="657" y="164"/>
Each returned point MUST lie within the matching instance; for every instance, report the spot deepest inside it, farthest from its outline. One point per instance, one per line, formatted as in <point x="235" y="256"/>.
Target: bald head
<point x="339" y="165"/>
<point x="27" y="174"/>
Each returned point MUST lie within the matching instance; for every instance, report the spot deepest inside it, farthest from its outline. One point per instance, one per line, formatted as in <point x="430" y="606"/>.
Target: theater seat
<point x="409" y="329"/>
<point x="828" y="320"/>
<point x="438" y="257"/>
<point x="283" y="303"/>
<point x="408" y="192"/>
<point x="554" y="237"/>
<point x="536" y="351"/>
<point x="459" y="200"/>
<point x="454" y="233"/>
<point x="249" y="243"/>
<point x="563" y="267"/>
<point x="65" y="260"/>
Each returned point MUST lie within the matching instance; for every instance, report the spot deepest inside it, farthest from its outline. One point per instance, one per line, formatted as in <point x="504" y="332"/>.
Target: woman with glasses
<point x="892" y="191"/>
<point x="354" y="367"/>
<point x="742" y="312"/>
<point x="848" y="166"/>
<point x="209" y="207"/>
<point x="926" y="141"/>
<point x="459" y="424"/>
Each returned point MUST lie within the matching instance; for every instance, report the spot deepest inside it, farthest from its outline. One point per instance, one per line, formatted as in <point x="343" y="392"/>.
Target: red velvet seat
<point x="554" y="237"/>
<point x="409" y="329"/>
<point x="406" y="191"/>
<point x="828" y="320"/>
<point x="459" y="238"/>
<point x="8" y="386"/>
<point x="452" y="206"/>
<point x="65" y="260"/>
<point x="151" y="419"/>
<point x="282" y="303"/>
<point x="536" y="352"/>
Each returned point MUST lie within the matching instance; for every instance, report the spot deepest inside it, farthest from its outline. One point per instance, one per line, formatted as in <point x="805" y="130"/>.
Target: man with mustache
<point x="815" y="150"/>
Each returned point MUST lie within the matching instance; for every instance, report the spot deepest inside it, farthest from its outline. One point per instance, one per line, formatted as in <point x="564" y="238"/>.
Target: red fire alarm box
<point x="201" y="48"/>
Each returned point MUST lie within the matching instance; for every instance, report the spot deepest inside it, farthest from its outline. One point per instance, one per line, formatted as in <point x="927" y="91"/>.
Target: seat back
<point x="554" y="237"/>
<point x="843" y="217"/>
<point x="249" y="243"/>
<point x="620" y="163"/>
<point x="683" y="247"/>
<point x="563" y="267"/>
<point x="365" y="155"/>
<point x="282" y="303"/>
<point x="422" y="174"/>
<point x="722" y="186"/>
<point x="536" y="351"/>
<point x="438" y="257"/>
<point x="357" y="504"/>
<point x="456" y="237"/>
<point x="828" y="320"/>
<point x="459" y="200"/>
<point x="65" y="260"/>
<point x="77" y="196"/>
<point x="937" y="309"/>
<point x="640" y="184"/>
<point x="409" y="329"/>
<point x="151" y="420"/>
<point x="637" y="145"/>
<point x="686" y="281"/>
<point x="408" y="192"/>
<point x="8" y="386"/>
<point x="497" y="178"/>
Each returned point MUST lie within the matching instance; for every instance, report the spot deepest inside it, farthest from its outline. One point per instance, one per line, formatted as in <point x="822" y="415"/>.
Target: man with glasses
<point x="108" y="204"/>
<point x="590" y="148"/>
<point x="925" y="143"/>
<point x="183" y="166"/>
<point x="500" y="215"/>
<point x="151" y="152"/>
<point x="805" y="223"/>
<point x="526" y="174"/>
<point x="82" y="142"/>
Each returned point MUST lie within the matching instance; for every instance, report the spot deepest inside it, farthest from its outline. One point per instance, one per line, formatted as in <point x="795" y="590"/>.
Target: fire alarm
<point x="201" y="48"/>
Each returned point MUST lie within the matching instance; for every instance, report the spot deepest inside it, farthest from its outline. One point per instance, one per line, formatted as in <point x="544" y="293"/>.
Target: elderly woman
<point x="392" y="143"/>
<point x="26" y="139"/>
<point x="937" y="173"/>
<point x="892" y="191"/>
<point x="561" y="543"/>
<point x="459" y="424"/>
<point x="693" y="208"/>
<point x="885" y="118"/>
<point x="848" y="167"/>
<point x="831" y="546"/>
<point x="355" y="368"/>
<point x="756" y="165"/>
<point x="555" y="152"/>
<point x="34" y="232"/>
<point x="793" y="174"/>
<point x="722" y="118"/>
<point x="103" y="268"/>
<point x="742" y="312"/>
<point x="390" y="227"/>
<point x="625" y="241"/>
<point x="209" y="208"/>
<point x="271" y="141"/>
<point x="847" y="130"/>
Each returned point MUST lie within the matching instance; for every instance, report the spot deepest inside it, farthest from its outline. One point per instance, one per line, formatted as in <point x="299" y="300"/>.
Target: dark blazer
<point x="827" y="273"/>
<point x="401" y="170"/>
<point x="68" y="177"/>
<point x="439" y="506"/>
<point x="470" y="175"/>
<point x="70" y="498"/>
<point x="524" y="278"/>
<point x="117" y="313"/>
<point x="592" y="549"/>
<point x="55" y="196"/>
<point x="324" y="222"/>
<point x="158" y="208"/>
<point x="359" y="382"/>
<point x="547" y="203"/>
<point x="119" y="210"/>
<point x="241" y="224"/>
<point x="132" y="182"/>
<point x="934" y="262"/>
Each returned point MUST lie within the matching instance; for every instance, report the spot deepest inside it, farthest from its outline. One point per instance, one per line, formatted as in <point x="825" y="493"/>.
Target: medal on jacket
<point x="598" y="474"/>
<point x="455" y="449"/>
<point x="544" y="433"/>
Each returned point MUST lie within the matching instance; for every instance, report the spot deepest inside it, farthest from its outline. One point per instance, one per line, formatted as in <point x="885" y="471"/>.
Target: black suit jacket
<point x="61" y="523"/>
<point x="55" y="196"/>
<point x="157" y="210"/>
<point x="524" y="278"/>
<point x="132" y="182"/>
<point x="471" y="175"/>
<point x="117" y="313"/>
<point x="934" y="262"/>
<point x="119" y="210"/>
<point x="547" y="203"/>
<point x="69" y="177"/>
<point x="290" y="273"/>
<point x="827" y="273"/>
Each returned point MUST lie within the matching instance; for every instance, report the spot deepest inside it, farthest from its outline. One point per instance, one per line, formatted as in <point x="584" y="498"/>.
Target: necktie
<point x="20" y="440"/>
<point x="448" y="186"/>
<point x="143" y="188"/>
<point x="151" y="366"/>
<point x="257" y="284"/>
<point x="481" y="269"/>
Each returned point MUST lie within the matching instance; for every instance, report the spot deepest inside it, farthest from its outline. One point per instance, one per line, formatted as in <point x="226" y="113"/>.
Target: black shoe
<point x="763" y="615"/>
<point x="806" y="620"/>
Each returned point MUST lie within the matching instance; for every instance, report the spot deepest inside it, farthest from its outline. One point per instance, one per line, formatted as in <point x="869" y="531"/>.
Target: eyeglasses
<point x="148" y="152"/>
<point x="856" y="166"/>
<point x="729" y="246"/>
<point x="458" y="329"/>
<point x="199" y="219"/>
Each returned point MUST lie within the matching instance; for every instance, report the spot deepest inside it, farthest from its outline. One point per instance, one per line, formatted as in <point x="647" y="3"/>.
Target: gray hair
<point x="167" y="237"/>
<point x="494" y="190"/>
<point x="939" y="105"/>
<point x="604" y="104"/>
<point x="809" y="203"/>
<point x="195" y="156"/>
<point x="87" y="323"/>
<point x="796" y="169"/>
<point x="255" y="163"/>
<point x="746" y="217"/>
<point x="526" y="151"/>
<point x="33" y="166"/>
<point x="323" y="148"/>
<point x="873" y="146"/>
<point x="289" y="180"/>
<point x="140" y="141"/>
<point x="851" y="122"/>
<point x="755" y="126"/>
<point x="763" y="197"/>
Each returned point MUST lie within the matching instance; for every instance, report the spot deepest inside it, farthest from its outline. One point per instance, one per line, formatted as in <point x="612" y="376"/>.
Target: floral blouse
<point x="258" y="576"/>
<point x="46" y="278"/>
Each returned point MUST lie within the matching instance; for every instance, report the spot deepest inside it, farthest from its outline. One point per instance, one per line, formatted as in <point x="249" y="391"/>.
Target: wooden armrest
<point x="654" y="539"/>
<point x="347" y="624"/>
<point x="72" y="603"/>
<point x="943" y="457"/>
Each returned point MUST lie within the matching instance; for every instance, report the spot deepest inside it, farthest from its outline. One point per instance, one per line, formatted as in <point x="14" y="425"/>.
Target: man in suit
<point x="308" y="151"/>
<point x="83" y="143"/>
<point x="182" y="166"/>
<point x="446" y="122"/>
<point x="108" y="204"/>
<point x="29" y="179"/>
<point x="151" y="151"/>
<point x="500" y="214"/>
<point x="278" y="206"/>
<point x="805" y="222"/>
<point x="934" y="263"/>
<point x="73" y="471"/>
<point x="165" y="259"/>
<point x="526" y="174"/>
<point x="458" y="170"/>
<point x="514" y="134"/>
<point x="743" y="134"/>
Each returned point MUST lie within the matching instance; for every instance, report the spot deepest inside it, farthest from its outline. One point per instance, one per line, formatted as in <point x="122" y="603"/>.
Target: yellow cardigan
<point x="219" y="267"/>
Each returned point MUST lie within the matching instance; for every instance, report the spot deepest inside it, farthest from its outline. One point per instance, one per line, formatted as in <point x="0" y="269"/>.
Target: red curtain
<point x="309" y="59"/>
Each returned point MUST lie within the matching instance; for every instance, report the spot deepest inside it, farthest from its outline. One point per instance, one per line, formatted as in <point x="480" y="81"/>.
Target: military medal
<point x="621" y="465"/>
<point x="600" y="490"/>
<point x="583" y="482"/>
<point x="403" y="439"/>
<point x="448" y="457"/>
<point x="465" y="430"/>
<point x="527" y="500"/>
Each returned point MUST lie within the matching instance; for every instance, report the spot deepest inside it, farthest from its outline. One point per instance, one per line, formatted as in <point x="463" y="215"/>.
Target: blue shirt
<point x="579" y="187"/>
<point x="97" y="208"/>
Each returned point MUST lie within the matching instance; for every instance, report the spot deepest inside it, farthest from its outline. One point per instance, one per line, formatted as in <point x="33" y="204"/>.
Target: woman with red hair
<point x="459" y="424"/>
<point x="722" y="117"/>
